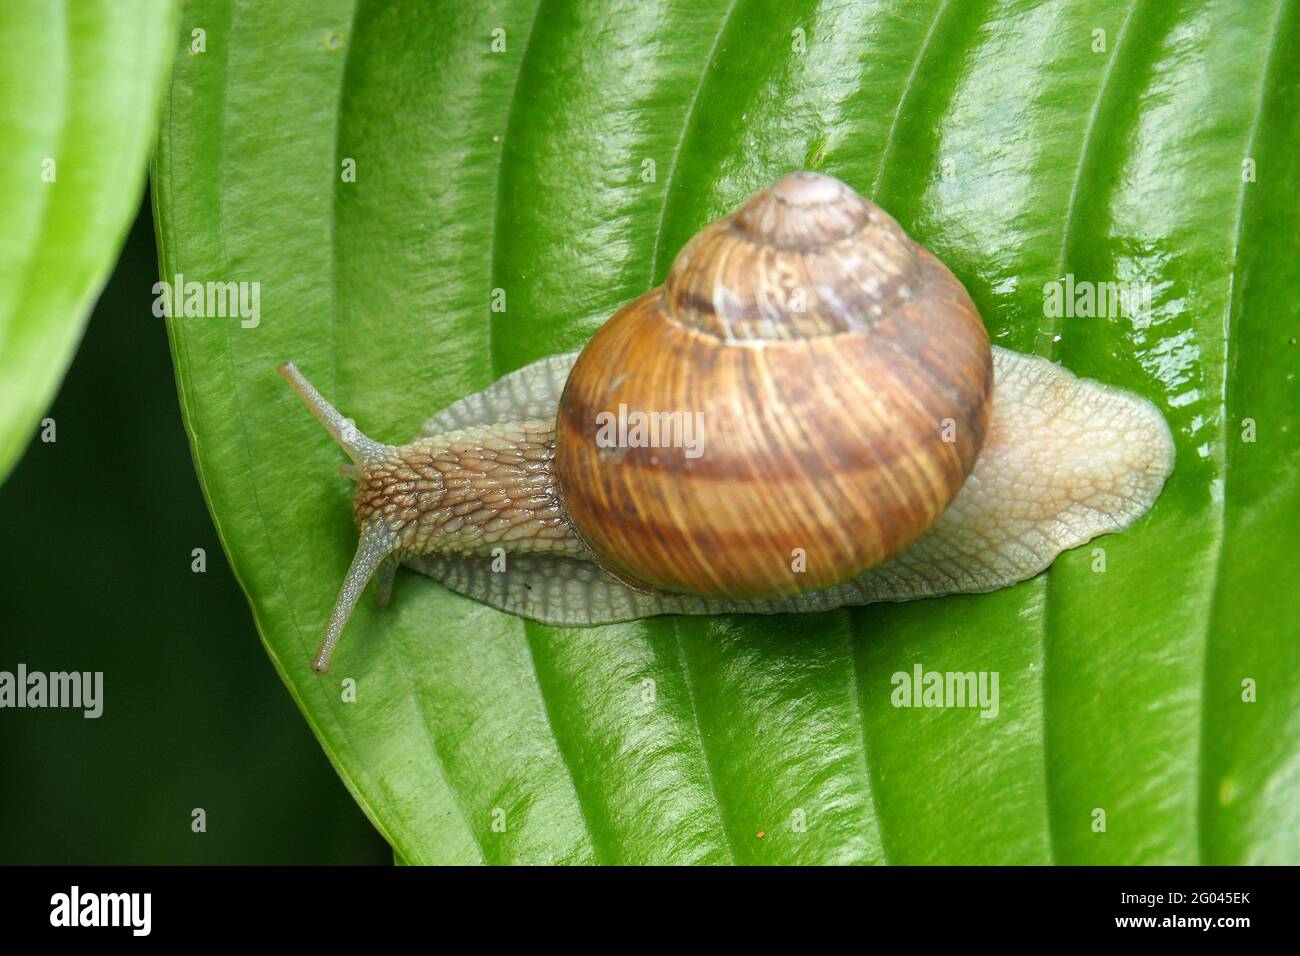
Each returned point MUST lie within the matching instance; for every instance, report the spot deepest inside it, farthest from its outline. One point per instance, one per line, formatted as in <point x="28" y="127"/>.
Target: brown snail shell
<point x="844" y="379"/>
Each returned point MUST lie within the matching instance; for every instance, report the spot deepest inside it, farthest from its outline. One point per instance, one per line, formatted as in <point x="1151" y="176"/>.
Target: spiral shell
<point x="843" y="381"/>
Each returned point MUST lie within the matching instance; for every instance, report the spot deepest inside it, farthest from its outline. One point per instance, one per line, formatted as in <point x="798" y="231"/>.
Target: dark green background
<point x="95" y="575"/>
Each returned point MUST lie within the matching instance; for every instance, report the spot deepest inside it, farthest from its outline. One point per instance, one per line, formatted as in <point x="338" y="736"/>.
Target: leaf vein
<point x="1216" y="577"/>
<point x="529" y="628"/>
<point x="728" y="839"/>
<point x="855" y="692"/>
<point x="656" y="254"/>
<point x="495" y="213"/>
<point x="908" y="84"/>
<point x="1047" y="329"/>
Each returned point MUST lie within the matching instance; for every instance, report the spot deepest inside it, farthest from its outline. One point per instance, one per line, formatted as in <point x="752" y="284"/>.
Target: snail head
<point x="480" y="492"/>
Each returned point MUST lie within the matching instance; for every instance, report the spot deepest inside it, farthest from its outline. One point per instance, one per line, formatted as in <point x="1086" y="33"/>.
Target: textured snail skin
<point x="469" y="492"/>
<point x="822" y="350"/>
<point x="824" y="435"/>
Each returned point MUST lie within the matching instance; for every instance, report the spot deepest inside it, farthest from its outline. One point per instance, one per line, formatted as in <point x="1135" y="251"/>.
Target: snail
<point x="807" y="414"/>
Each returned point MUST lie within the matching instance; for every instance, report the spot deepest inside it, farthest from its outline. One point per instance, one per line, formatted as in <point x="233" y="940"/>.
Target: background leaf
<point x="79" y="90"/>
<point x="177" y="648"/>
<point x="1009" y="137"/>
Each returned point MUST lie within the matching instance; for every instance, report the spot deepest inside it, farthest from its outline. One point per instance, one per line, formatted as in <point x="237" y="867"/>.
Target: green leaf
<point x="1012" y="139"/>
<point x="79" y="90"/>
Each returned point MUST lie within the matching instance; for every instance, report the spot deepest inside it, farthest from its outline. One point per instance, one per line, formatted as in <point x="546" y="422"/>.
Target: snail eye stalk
<point x="344" y="431"/>
<point x="374" y="550"/>
<point x="375" y="547"/>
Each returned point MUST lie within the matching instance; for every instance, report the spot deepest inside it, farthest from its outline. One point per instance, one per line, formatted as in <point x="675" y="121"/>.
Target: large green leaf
<point x="80" y="82"/>
<point x="1011" y="138"/>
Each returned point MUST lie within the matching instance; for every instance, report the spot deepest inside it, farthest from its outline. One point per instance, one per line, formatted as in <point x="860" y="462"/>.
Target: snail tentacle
<point x="360" y="448"/>
<point x="373" y="552"/>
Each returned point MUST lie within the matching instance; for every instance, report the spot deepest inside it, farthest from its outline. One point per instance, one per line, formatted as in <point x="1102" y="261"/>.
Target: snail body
<point x="852" y="450"/>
